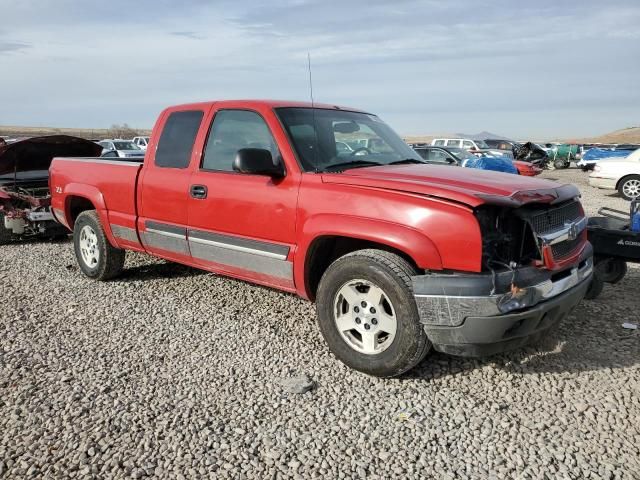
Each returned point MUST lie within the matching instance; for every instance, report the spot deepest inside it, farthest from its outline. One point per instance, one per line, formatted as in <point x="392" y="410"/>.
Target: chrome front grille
<point x="555" y="218"/>
<point x="565" y="249"/>
<point x="560" y="228"/>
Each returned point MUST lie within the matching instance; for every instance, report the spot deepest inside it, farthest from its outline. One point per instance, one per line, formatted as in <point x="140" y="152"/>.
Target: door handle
<point x="198" y="191"/>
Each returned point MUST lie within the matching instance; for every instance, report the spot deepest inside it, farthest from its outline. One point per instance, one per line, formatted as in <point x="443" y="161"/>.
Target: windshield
<point x="481" y="144"/>
<point x="461" y="153"/>
<point x="125" y="146"/>
<point x="327" y="138"/>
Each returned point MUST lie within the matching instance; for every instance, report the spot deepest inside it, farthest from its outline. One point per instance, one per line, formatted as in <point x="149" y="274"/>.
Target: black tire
<point x="560" y="163"/>
<point x="596" y="286"/>
<point x="5" y="234"/>
<point x="611" y="270"/>
<point x="392" y="274"/>
<point x="624" y="184"/>
<point x="110" y="260"/>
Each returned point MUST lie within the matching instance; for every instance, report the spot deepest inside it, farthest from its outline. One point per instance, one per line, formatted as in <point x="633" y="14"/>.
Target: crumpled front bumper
<point x="483" y="314"/>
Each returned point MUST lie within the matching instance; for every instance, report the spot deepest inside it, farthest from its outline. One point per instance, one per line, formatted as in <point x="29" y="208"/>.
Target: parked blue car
<point x="497" y="164"/>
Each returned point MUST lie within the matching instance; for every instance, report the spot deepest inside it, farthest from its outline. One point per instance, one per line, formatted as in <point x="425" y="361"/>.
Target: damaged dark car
<point x="25" y="197"/>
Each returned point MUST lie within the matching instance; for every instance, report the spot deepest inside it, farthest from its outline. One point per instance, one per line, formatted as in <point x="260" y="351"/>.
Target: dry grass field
<point x="90" y="133"/>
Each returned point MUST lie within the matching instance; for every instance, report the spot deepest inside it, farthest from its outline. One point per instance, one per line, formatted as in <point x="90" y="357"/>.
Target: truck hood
<point x="37" y="153"/>
<point x="463" y="185"/>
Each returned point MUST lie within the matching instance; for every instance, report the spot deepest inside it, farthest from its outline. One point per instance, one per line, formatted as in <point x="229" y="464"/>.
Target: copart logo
<point x="628" y="243"/>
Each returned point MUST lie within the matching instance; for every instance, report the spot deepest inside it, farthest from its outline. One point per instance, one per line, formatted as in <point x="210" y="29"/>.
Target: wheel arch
<point x="625" y="177"/>
<point x="80" y="198"/>
<point x="328" y="239"/>
<point x="326" y="249"/>
<point x="75" y="205"/>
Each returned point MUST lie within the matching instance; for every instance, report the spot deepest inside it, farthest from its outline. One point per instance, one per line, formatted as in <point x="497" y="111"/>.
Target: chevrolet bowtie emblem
<point x="572" y="232"/>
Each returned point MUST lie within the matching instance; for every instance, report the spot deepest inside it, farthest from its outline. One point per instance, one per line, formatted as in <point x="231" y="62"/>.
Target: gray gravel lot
<point x="175" y="373"/>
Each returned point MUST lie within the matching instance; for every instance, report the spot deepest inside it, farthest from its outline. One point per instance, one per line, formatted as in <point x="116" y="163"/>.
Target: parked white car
<point x="465" y="143"/>
<point x="142" y="142"/>
<point x="620" y="174"/>
<point x="121" y="149"/>
<point x="474" y="146"/>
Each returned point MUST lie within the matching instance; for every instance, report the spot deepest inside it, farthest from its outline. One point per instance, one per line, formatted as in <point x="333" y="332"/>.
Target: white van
<point x="459" y="143"/>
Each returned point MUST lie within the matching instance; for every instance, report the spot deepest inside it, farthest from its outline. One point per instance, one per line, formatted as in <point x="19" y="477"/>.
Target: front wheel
<point x="97" y="258"/>
<point x="367" y="313"/>
<point x="629" y="187"/>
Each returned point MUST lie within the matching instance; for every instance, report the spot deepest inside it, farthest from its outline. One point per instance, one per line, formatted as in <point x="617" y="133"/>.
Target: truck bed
<point x="109" y="184"/>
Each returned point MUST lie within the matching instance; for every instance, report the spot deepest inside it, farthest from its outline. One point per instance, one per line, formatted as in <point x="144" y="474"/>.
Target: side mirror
<point x="257" y="161"/>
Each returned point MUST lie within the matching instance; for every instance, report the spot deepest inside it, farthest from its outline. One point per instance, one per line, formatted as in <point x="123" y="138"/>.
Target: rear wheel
<point x="629" y="187"/>
<point x="367" y="313"/>
<point x="97" y="258"/>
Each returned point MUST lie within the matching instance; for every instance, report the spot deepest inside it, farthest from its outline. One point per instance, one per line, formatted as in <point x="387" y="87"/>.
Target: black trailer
<point x="614" y="244"/>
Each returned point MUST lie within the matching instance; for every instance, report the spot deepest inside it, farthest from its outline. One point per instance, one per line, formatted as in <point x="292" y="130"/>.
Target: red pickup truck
<point x="329" y="203"/>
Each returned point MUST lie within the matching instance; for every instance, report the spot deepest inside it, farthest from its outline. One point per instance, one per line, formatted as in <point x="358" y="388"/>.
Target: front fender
<point x="408" y="240"/>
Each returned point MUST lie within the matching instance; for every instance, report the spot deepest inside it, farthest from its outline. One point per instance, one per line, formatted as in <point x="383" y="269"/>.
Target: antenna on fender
<point x="313" y="116"/>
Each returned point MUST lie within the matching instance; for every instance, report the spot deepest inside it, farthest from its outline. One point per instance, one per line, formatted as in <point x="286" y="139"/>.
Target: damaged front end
<point x="25" y="210"/>
<point x="24" y="184"/>
<point x="536" y="266"/>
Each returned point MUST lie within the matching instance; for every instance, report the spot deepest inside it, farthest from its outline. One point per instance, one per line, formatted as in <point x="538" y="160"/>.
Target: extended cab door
<point x="164" y="185"/>
<point x="243" y="224"/>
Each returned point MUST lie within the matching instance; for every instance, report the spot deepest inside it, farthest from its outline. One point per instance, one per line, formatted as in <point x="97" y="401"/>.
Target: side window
<point x="423" y="153"/>
<point x="231" y="131"/>
<point x="453" y="143"/>
<point x="178" y="135"/>
<point x="437" y="156"/>
<point x="467" y="144"/>
<point x="439" y="143"/>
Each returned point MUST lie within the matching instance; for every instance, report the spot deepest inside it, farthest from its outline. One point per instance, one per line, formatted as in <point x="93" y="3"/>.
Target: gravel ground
<point x="175" y="373"/>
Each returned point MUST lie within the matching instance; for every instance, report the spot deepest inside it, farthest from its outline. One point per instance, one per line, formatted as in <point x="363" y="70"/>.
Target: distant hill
<point x="626" y="135"/>
<point x="476" y="136"/>
<point x="481" y="136"/>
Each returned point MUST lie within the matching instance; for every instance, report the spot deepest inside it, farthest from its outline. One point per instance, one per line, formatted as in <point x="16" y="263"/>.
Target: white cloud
<point x="543" y="69"/>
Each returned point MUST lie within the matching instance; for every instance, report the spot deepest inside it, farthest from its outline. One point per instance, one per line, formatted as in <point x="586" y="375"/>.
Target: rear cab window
<point x="177" y="139"/>
<point x="453" y="143"/>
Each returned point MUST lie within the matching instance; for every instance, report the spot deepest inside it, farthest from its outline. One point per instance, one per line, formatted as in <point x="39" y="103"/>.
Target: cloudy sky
<point x="548" y="68"/>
